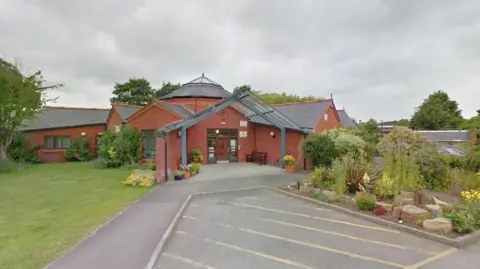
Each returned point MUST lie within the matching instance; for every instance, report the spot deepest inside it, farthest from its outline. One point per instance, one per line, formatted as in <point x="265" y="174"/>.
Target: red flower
<point x="412" y="218"/>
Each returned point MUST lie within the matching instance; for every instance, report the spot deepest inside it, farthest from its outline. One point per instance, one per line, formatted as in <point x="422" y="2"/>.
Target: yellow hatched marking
<point x="346" y="236"/>
<point x="188" y="261"/>
<point x="431" y="259"/>
<point x="259" y="254"/>
<point x="337" y="251"/>
<point x="314" y="217"/>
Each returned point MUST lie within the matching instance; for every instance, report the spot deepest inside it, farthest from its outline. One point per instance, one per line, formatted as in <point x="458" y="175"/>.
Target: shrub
<point x="403" y="141"/>
<point x="355" y="171"/>
<point x="404" y="171"/>
<point x="320" y="148"/>
<point x="196" y="167"/>
<point x="197" y="156"/>
<point x="289" y="160"/>
<point x="453" y="161"/>
<point x="364" y="201"/>
<point x="472" y="161"/>
<point x="320" y="177"/>
<point x="142" y="178"/>
<point x="337" y="172"/>
<point x="107" y="153"/>
<point x="19" y="151"/>
<point x="152" y="166"/>
<point x="347" y="144"/>
<point x="78" y="150"/>
<point x="434" y="171"/>
<point x="466" y="179"/>
<point x="462" y="220"/>
<point x="384" y="187"/>
<point x="120" y="150"/>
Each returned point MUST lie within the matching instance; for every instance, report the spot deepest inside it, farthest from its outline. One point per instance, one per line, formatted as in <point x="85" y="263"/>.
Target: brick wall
<point x="57" y="155"/>
<point x="113" y="120"/>
<point x="330" y="123"/>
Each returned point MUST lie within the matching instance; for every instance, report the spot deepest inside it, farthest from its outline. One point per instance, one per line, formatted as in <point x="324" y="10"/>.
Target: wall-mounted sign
<point x="242" y="133"/>
<point x="243" y="123"/>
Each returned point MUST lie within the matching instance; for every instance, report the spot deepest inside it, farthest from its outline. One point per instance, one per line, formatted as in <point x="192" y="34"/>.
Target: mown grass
<point x="46" y="209"/>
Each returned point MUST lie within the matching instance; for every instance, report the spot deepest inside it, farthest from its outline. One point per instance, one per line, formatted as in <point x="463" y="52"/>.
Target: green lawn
<point x="46" y="209"/>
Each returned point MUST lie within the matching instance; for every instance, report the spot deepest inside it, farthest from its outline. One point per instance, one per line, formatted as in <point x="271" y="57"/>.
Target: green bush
<point x="152" y="166"/>
<point x="434" y="171"/>
<point x="365" y="201"/>
<point x="19" y="151"/>
<point x="472" y="161"/>
<point x="320" y="177"/>
<point x="120" y="150"/>
<point x="337" y="172"/>
<point x="404" y="171"/>
<point x="384" y="187"/>
<point x="78" y="150"/>
<point x="196" y="167"/>
<point x="347" y="144"/>
<point x="462" y="220"/>
<point x="320" y="148"/>
<point x="358" y="171"/>
<point x="453" y="161"/>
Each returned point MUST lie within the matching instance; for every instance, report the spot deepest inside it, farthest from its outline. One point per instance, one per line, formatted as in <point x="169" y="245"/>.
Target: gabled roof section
<point x="125" y="111"/>
<point x="178" y="110"/>
<point x="201" y="87"/>
<point x="66" y="117"/>
<point x="306" y="114"/>
<point x="446" y="135"/>
<point x="346" y="121"/>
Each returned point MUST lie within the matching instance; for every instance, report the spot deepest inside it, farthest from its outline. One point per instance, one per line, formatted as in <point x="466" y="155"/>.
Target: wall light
<point x="217" y="131"/>
<point x="179" y="134"/>
<point x="272" y="134"/>
<point x="83" y="134"/>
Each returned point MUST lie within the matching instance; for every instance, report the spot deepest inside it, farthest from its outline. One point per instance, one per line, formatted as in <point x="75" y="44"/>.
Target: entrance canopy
<point x="247" y="104"/>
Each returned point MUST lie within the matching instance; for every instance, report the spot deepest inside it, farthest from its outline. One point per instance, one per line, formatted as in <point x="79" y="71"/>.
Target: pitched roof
<point x="305" y="114"/>
<point x="125" y="110"/>
<point x="346" y="121"/>
<point x="201" y="87"/>
<point x="182" y="111"/>
<point x="64" y="117"/>
<point x="446" y="135"/>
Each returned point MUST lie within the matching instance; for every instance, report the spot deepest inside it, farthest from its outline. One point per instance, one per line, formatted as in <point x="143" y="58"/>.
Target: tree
<point x="276" y="98"/>
<point x="21" y="97"/>
<point x="136" y="91"/>
<point x="402" y="122"/>
<point x="370" y="131"/>
<point x="403" y="141"/>
<point x="167" y="88"/>
<point x="438" y="112"/>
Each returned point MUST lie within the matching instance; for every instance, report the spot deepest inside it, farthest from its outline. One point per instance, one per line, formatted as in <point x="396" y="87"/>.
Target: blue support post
<point x="283" y="146"/>
<point x="184" y="145"/>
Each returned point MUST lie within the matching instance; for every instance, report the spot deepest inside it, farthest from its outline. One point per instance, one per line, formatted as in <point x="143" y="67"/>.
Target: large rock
<point x="408" y="211"/>
<point x="444" y="205"/>
<point x="407" y="195"/>
<point x="438" y="225"/>
<point x="401" y="200"/>
<point x="436" y="210"/>
<point x="386" y="206"/>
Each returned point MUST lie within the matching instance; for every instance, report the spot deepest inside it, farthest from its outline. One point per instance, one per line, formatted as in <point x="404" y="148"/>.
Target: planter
<point x="290" y="169"/>
<point x="186" y="175"/>
<point x="178" y="177"/>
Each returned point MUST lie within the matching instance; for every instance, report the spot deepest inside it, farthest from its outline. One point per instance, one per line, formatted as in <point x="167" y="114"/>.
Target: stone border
<point x="457" y="242"/>
<point x="171" y="228"/>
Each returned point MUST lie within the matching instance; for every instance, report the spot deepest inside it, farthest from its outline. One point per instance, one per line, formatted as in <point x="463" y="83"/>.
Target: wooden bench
<point x="257" y="157"/>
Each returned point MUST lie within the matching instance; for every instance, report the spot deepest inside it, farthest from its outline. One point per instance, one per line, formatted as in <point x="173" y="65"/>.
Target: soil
<point x="387" y="217"/>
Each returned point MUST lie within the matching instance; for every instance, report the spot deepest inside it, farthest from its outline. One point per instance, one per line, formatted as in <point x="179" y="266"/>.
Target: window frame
<point x="146" y="150"/>
<point x="54" y="143"/>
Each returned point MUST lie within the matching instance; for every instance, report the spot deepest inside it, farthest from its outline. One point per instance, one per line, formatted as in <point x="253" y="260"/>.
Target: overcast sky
<point x="378" y="58"/>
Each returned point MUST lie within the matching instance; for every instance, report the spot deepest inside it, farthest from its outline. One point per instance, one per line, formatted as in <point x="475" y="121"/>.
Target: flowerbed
<point x="141" y="178"/>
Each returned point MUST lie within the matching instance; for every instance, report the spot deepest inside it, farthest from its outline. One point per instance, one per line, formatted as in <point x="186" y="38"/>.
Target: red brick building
<point x="200" y="115"/>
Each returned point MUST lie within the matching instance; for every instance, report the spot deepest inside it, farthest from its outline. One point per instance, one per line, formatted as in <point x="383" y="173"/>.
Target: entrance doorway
<point x="222" y="145"/>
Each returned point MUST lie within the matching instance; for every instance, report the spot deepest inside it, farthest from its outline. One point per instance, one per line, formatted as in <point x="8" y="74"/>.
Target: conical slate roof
<point x="201" y="87"/>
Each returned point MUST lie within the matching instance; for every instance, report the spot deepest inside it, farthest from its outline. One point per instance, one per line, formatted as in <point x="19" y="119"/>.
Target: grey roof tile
<point x="62" y="117"/>
<point x="346" y="121"/>
<point x="446" y="135"/>
<point x="126" y="111"/>
<point x="179" y="109"/>
<point x="306" y="115"/>
<point x="199" y="87"/>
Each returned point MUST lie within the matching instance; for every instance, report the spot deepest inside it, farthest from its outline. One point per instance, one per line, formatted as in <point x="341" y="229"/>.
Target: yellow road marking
<point x="346" y="236"/>
<point x="337" y="251"/>
<point x="263" y="255"/>
<point x="283" y="203"/>
<point x="431" y="259"/>
<point x="188" y="261"/>
<point x="313" y="217"/>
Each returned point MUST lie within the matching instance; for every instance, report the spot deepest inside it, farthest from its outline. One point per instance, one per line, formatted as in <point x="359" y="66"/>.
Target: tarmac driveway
<point x="264" y="229"/>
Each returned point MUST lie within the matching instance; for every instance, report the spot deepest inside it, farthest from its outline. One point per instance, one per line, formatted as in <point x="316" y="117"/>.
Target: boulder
<point x="436" y="210"/>
<point x="330" y="194"/>
<point x="386" y="206"/>
<point x="408" y="211"/>
<point x="306" y="189"/>
<point x="407" y="195"/>
<point x="401" y="200"/>
<point x="438" y="225"/>
<point x="444" y="205"/>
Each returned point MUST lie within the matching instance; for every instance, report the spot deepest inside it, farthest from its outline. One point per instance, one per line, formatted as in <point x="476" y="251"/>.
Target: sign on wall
<point x="242" y="133"/>
<point x="243" y="123"/>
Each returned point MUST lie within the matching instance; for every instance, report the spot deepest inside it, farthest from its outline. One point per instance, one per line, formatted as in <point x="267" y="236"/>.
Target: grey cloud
<point x="378" y="58"/>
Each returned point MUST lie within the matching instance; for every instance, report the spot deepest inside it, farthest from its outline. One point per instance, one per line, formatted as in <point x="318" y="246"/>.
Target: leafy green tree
<point x="402" y="122"/>
<point x="167" y="88"/>
<point x="276" y="98"/>
<point x="136" y="91"/>
<point x="321" y="149"/>
<point x="21" y="97"/>
<point x="370" y="131"/>
<point x="437" y="112"/>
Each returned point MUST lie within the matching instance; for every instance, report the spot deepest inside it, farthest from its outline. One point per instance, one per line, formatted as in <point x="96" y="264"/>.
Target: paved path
<point x="264" y="229"/>
<point x="127" y="242"/>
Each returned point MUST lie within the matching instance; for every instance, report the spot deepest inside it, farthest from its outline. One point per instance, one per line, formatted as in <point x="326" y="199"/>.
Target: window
<point x="118" y="128"/>
<point x="325" y="117"/>
<point x="149" y="143"/>
<point x="57" y="142"/>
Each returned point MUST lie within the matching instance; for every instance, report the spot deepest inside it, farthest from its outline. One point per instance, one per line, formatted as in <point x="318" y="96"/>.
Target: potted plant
<point x="289" y="161"/>
<point x="187" y="171"/>
<point x="178" y="174"/>
<point x="195" y="168"/>
<point x="197" y="156"/>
